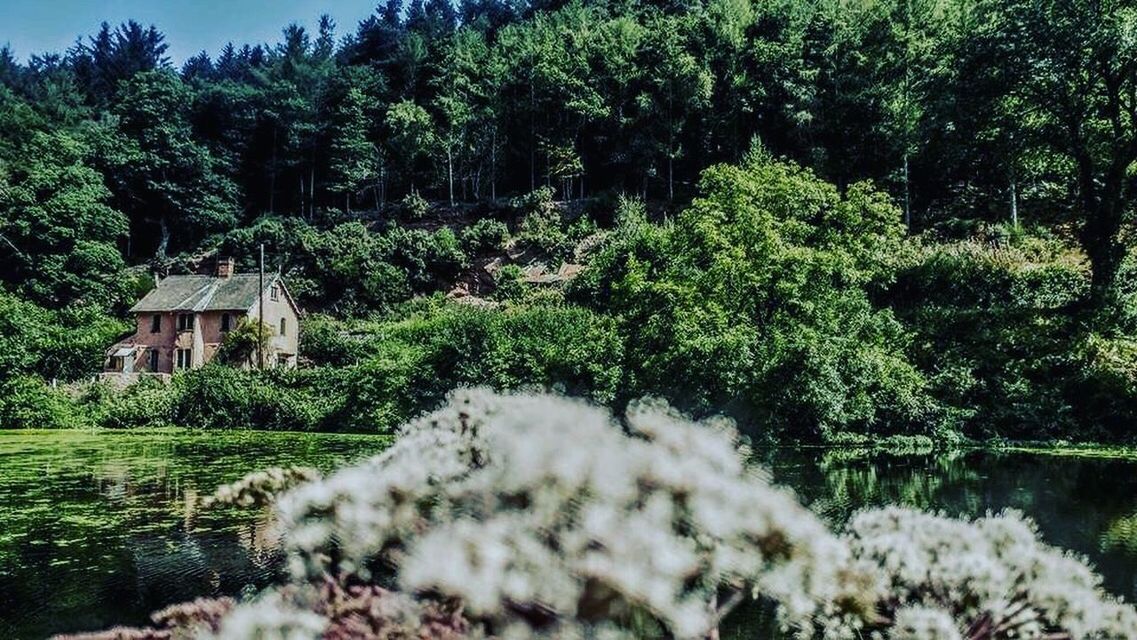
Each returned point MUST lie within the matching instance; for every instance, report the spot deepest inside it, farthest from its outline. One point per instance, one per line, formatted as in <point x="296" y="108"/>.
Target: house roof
<point x="203" y="293"/>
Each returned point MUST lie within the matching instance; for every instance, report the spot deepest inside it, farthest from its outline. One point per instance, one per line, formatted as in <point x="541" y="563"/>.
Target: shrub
<point x="219" y="397"/>
<point x="27" y="402"/>
<point x="508" y="284"/>
<point x="414" y="206"/>
<point x="484" y="236"/>
<point x="66" y="345"/>
<point x="541" y="224"/>
<point x="245" y="342"/>
<point x="415" y="361"/>
<point x="328" y="342"/>
<point x="148" y="403"/>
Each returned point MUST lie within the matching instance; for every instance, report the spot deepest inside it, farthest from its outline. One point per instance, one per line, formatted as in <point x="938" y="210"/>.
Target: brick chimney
<point x="224" y="267"/>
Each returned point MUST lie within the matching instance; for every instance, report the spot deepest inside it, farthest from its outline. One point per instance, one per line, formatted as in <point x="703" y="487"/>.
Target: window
<point x="226" y="321"/>
<point x="153" y="359"/>
<point x="183" y="358"/>
<point x="155" y="323"/>
<point x="283" y="326"/>
<point x="185" y="321"/>
<point x="274" y="293"/>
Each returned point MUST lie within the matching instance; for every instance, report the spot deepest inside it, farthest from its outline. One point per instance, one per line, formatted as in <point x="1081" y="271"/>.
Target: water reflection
<point x="1088" y="505"/>
<point x="100" y="529"/>
<point x="1085" y="504"/>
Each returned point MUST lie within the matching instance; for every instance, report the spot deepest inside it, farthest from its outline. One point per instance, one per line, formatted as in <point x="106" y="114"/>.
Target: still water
<point x="100" y="529"/>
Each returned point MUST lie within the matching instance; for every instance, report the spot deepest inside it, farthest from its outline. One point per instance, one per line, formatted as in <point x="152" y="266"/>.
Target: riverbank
<point x="1068" y="450"/>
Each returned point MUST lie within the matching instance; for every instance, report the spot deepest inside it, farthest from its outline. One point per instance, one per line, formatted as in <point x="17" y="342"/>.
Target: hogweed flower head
<point x="545" y="512"/>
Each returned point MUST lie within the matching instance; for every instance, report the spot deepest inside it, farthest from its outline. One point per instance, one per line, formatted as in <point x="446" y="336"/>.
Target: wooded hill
<point x="951" y="260"/>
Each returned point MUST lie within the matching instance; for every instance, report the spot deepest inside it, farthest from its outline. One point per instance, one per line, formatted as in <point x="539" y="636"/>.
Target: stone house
<point x="182" y="322"/>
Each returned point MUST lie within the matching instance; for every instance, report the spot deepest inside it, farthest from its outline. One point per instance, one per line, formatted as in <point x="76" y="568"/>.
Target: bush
<point x="484" y="236"/>
<point x="508" y="284"/>
<point x="54" y="345"/>
<point x="27" y="402"/>
<point x="328" y="342"/>
<point x="218" y="397"/>
<point x="414" y="206"/>
<point x="244" y="343"/>
<point x="541" y="224"/>
<point x="416" y="360"/>
<point x="148" y="403"/>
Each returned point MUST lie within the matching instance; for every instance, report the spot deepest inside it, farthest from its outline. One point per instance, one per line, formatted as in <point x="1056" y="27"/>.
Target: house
<point x="182" y="322"/>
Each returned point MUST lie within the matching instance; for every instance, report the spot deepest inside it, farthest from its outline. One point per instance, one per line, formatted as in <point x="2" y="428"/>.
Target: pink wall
<point x="211" y="336"/>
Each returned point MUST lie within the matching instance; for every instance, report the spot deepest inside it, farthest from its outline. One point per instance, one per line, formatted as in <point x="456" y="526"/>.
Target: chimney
<point x="224" y="267"/>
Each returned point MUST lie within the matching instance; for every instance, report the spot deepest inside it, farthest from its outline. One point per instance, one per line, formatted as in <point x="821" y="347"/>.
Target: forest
<point x="834" y="222"/>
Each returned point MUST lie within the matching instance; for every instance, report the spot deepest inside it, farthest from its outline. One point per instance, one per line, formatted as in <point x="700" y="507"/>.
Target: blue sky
<point x="36" y="26"/>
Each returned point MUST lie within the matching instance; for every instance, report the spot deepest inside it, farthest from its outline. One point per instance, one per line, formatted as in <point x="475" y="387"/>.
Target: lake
<point x="98" y="529"/>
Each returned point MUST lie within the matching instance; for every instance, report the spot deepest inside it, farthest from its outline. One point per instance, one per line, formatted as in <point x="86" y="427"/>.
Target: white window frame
<point x="189" y="321"/>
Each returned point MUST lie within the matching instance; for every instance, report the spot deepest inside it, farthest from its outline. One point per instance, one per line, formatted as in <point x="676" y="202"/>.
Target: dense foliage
<point x="757" y="297"/>
<point x="831" y="221"/>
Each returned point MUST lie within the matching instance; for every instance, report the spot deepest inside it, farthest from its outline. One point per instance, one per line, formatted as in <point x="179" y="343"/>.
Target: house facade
<point x="182" y="322"/>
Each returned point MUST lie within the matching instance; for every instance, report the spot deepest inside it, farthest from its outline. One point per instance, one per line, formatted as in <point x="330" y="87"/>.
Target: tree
<point x="352" y="157"/>
<point x="161" y="175"/>
<point x="110" y="57"/>
<point x="756" y="298"/>
<point x="412" y="139"/>
<point x="1071" y="65"/>
<point x="58" y="236"/>
<point x="676" y="86"/>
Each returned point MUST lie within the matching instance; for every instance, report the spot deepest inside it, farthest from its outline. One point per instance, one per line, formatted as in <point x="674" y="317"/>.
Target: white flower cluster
<point x="269" y="617"/>
<point x="530" y="516"/>
<point x="988" y="578"/>
<point x="260" y="487"/>
<point x="541" y="513"/>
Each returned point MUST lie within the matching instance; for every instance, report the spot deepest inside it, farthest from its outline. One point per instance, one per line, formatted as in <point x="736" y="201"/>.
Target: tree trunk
<point x="1014" y="202"/>
<point x="907" y="197"/>
<point x="532" y="138"/>
<point x="1099" y="239"/>
<point x="272" y="176"/>
<point x="450" y="173"/>
<point x="164" y="239"/>
<point x="670" y="148"/>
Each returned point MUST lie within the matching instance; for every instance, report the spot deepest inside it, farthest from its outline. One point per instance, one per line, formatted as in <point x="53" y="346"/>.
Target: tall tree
<point x="58" y="235"/>
<point x="411" y="140"/>
<point x="353" y="159"/>
<point x="162" y="176"/>
<point x="1072" y="66"/>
